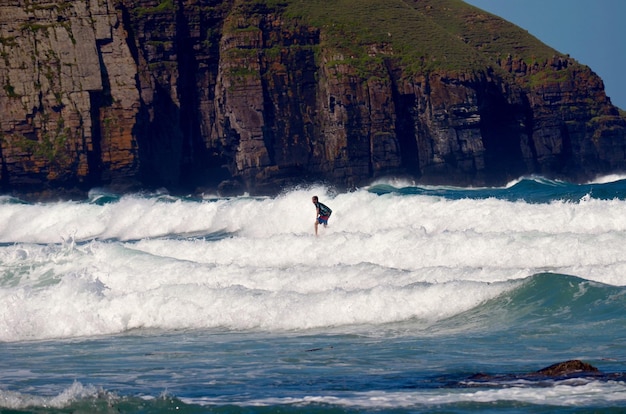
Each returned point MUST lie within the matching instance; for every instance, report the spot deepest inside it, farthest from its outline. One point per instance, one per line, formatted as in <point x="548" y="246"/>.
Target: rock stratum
<point x="251" y="95"/>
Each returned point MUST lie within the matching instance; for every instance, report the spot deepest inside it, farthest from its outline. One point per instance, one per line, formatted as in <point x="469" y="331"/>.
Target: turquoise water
<point x="152" y="303"/>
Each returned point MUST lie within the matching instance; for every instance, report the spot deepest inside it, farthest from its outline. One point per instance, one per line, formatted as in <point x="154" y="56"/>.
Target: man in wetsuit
<point x="322" y="213"/>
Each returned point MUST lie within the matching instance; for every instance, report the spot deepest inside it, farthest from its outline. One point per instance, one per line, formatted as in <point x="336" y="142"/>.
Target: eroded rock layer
<point x="248" y="95"/>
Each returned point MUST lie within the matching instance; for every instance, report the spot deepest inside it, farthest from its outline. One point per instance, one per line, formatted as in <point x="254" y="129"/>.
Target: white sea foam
<point x="568" y="393"/>
<point x="564" y="394"/>
<point x="21" y="401"/>
<point x="74" y="269"/>
<point x="611" y="178"/>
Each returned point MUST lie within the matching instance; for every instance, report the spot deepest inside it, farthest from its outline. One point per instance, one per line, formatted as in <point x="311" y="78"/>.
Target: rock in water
<point x="574" y="366"/>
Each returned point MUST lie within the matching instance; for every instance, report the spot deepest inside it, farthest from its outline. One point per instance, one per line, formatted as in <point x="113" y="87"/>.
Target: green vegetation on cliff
<point x="164" y="6"/>
<point x="421" y="35"/>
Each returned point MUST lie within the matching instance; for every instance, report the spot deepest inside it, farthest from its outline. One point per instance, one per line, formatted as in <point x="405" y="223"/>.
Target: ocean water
<point x="414" y="299"/>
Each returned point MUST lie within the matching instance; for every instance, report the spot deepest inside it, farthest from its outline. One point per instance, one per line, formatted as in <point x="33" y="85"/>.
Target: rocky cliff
<point x="251" y="95"/>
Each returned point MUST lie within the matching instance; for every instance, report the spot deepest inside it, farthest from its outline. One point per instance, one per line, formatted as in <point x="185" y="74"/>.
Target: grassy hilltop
<point x="420" y="34"/>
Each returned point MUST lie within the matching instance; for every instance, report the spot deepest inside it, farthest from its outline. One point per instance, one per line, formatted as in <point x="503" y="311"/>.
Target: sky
<point x="593" y="32"/>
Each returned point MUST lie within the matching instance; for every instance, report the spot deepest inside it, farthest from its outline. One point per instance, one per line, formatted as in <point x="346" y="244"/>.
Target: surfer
<point x="322" y="213"/>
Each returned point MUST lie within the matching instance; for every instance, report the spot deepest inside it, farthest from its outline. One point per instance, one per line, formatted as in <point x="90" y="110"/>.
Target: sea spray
<point x="154" y="302"/>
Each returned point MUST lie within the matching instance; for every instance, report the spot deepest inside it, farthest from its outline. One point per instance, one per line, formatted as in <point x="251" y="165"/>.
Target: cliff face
<point x="242" y="95"/>
<point x="69" y="100"/>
